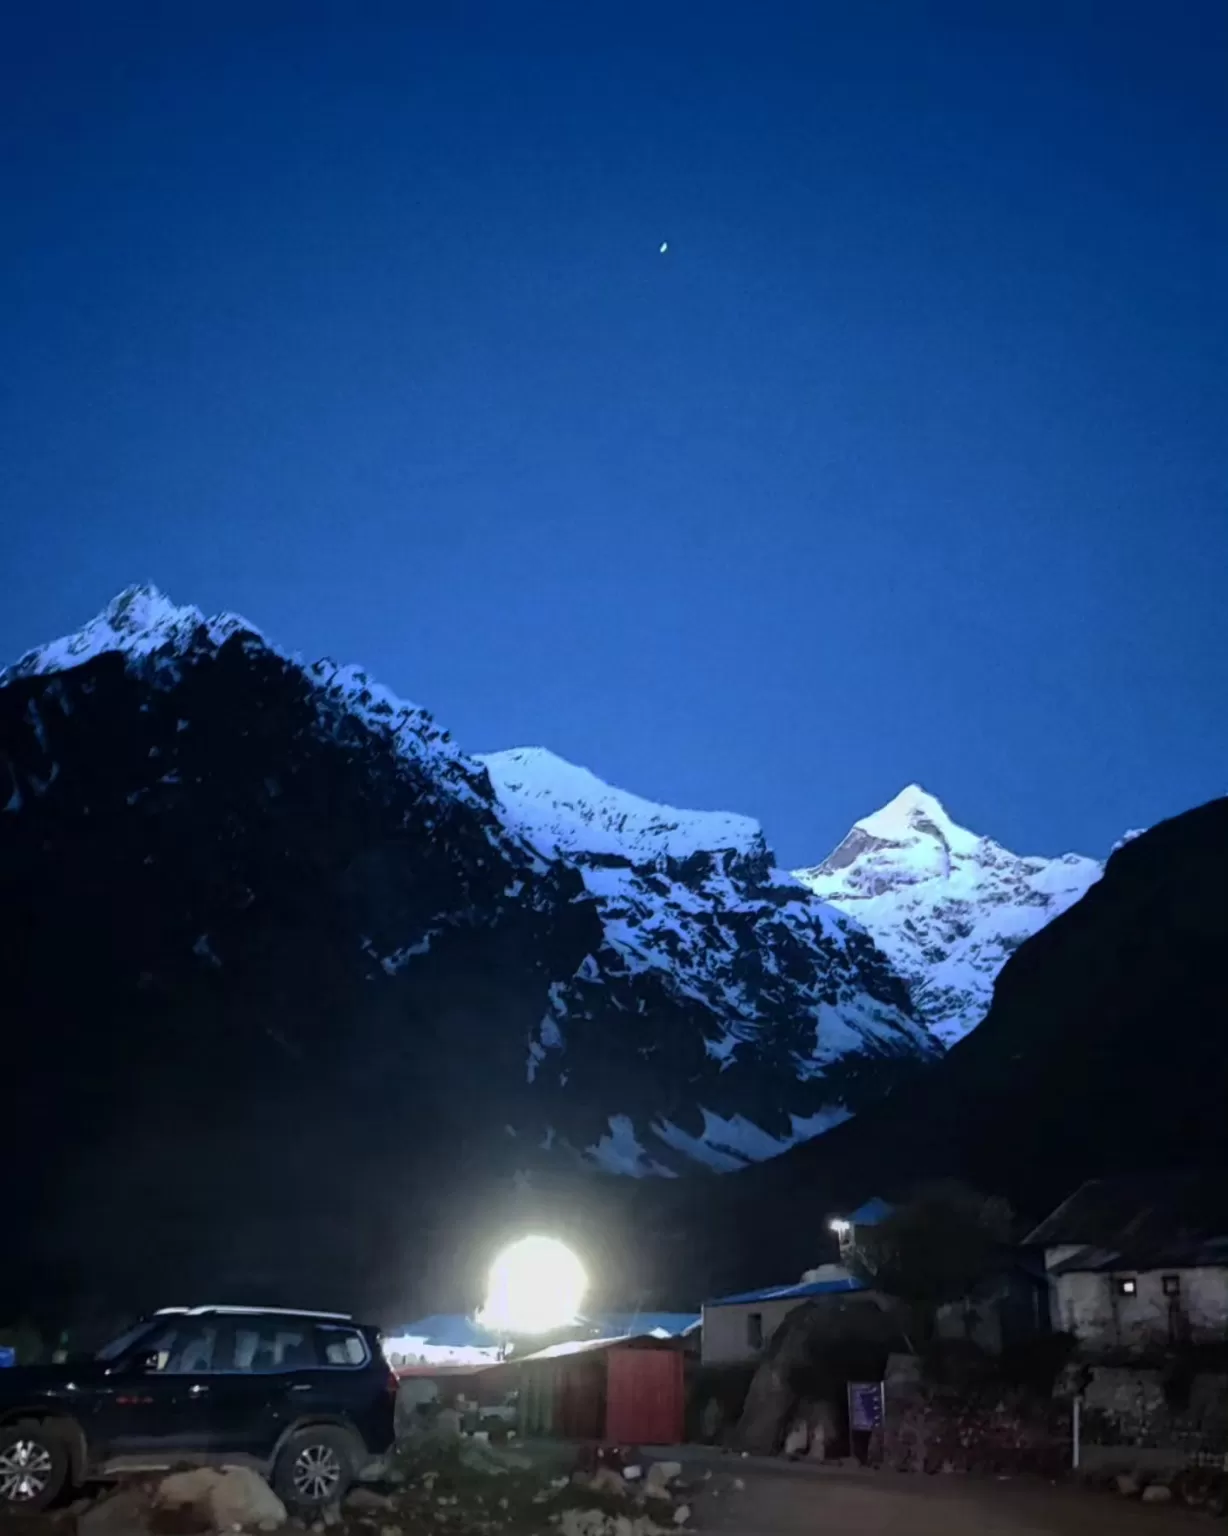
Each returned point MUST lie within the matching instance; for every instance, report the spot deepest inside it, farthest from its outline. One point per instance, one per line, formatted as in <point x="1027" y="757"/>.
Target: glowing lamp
<point x="535" y="1286"/>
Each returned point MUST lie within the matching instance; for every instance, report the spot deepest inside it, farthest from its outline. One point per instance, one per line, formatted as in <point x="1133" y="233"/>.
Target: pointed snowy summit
<point x="946" y="906"/>
<point x="915" y="813"/>
<point x="140" y="621"/>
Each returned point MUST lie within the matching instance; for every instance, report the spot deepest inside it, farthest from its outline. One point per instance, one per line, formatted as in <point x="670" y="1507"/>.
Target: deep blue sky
<point x="909" y="460"/>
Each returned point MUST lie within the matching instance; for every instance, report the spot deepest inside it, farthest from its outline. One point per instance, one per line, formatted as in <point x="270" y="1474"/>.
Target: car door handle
<point x="197" y="1389"/>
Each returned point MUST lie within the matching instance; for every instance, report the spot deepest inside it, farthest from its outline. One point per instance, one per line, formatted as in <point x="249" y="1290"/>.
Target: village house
<point x="1010" y="1305"/>
<point x="1140" y="1263"/>
<point x="737" y="1329"/>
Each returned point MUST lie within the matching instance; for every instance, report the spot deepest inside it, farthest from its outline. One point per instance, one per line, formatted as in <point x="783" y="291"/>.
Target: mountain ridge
<point x="793" y="1009"/>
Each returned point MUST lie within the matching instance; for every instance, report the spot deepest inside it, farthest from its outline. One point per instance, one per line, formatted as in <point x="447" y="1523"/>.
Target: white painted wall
<point x="726" y="1332"/>
<point x="1090" y="1307"/>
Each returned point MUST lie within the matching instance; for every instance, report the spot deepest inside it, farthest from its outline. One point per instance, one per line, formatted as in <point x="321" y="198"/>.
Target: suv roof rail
<point x="336" y="1317"/>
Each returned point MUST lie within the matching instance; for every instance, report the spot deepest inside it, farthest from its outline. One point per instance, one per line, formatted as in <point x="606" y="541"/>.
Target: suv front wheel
<point x="33" y="1465"/>
<point x="315" y="1468"/>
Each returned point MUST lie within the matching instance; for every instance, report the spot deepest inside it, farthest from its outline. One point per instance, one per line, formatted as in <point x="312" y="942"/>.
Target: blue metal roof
<point x="453" y="1329"/>
<point x="632" y="1324"/>
<point x="791" y="1292"/>
<point x="457" y="1331"/>
<point x="870" y="1214"/>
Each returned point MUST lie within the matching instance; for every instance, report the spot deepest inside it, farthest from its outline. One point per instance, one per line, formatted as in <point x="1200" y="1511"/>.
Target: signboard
<point x="865" y="1406"/>
<point x="8" y="1356"/>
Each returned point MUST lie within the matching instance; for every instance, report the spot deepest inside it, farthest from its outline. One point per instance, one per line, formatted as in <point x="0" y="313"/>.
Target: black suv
<point x="305" y="1397"/>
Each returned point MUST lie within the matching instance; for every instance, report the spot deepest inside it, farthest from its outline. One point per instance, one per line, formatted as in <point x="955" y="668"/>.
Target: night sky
<point x="907" y="460"/>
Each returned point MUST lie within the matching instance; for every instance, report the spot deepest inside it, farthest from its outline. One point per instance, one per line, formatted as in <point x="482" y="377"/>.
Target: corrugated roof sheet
<point x="584" y="1347"/>
<point x="455" y="1330"/>
<point x="1140" y="1216"/>
<point x="790" y="1292"/>
<point x="1212" y="1254"/>
<point x="870" y="1213"/>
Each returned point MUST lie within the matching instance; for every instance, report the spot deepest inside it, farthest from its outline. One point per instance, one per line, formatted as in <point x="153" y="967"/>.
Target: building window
<point x="1125" y="1285"/>
<point x="1172" y="1285"/>
<point x="754" y="1330"/>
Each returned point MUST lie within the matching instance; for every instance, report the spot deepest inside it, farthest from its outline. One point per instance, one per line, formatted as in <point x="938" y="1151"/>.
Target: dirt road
<point x="797" y="1501"/>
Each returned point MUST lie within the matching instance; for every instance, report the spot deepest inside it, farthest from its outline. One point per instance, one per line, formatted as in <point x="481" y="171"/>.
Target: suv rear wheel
<point x="315" y="1468"/>
<point x="33" y="1465"/>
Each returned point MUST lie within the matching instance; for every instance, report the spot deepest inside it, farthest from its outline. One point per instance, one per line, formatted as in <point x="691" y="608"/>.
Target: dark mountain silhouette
<point x="288" y="999"/>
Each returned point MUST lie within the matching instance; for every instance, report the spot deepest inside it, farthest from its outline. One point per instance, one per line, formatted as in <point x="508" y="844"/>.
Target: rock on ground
<point x="606" y="1480"/>
<point x="797" y="1441"/>
<point x="120" y="1515"/>
<point x="365" y="1500"/>
<point x="659" y="1476"/>
<point x="225" y="1497"/>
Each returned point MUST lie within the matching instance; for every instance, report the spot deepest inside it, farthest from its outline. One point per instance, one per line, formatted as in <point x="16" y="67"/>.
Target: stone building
<point x="1140" y="1264"/>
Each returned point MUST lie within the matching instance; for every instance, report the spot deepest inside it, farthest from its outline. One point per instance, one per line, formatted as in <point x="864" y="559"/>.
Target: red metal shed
<point x="627" y="1391"/>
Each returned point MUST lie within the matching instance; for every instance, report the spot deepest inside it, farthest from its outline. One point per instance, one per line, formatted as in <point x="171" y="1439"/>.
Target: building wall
<point x="726" y="1329"/>
<point x="1092" y="1308"/>
<point x="982" y="1321"/>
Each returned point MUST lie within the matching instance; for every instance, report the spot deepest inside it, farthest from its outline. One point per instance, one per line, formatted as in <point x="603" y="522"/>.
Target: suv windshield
<point x="116" y="1347"/>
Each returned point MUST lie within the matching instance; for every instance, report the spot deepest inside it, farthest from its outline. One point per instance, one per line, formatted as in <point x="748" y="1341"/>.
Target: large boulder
<point x="828" y="1333"/>
<point x="224" y="1498"/>
<point x="122" y="1514"/>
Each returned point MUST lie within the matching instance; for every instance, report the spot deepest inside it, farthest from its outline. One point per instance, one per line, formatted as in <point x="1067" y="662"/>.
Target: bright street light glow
<point x="535" y="1286"/>
<point x="838" y="1225"/>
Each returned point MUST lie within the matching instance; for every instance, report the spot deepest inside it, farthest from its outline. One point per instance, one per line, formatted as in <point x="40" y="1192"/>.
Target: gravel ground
<point x="784" y="1500"/>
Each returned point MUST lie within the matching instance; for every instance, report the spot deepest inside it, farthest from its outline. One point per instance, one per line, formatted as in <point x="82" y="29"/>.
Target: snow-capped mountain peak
<point x="946" y="906"/>
<point x="140" y="621"/>
<point x="157" y="636"/>
<point x="680" y="999"/>
<point x="565" y="809"/>
<point x="913" y="815"/>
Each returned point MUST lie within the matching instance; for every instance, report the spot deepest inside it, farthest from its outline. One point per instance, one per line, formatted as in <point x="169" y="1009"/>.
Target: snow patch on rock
<point x="565" y="809"/>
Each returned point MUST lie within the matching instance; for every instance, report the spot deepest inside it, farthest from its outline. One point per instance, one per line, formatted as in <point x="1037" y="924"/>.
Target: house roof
<point x="870" y="1213"/>
<point x="589" y="1347"/>
<point x="661" y="1325"/>
<point x="790" y="1292"/>
<point x="454" y="1330"/>
<point x="1141" y="1221"/>
<point x="1212" y="1254"/>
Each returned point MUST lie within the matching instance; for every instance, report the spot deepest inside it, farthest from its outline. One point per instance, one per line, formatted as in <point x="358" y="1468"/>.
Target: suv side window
<point x="272" y="1344"/>
<point x="342" y="1348"/>
<point x="182" y="1348"/>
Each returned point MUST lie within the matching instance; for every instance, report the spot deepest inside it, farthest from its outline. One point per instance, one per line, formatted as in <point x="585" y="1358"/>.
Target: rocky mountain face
<point x="1105" y="1051"/>
<point x="948" y="908"/>
<point x="286" y="973"/>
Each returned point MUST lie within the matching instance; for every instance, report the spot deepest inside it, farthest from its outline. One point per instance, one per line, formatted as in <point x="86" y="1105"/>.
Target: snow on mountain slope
<point x="694" y="1004"/>
<point x="563" y="808"/>
<point x="946" y="906"/>
<point x="692" y="901"/>
<point x="141" y="621"/>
